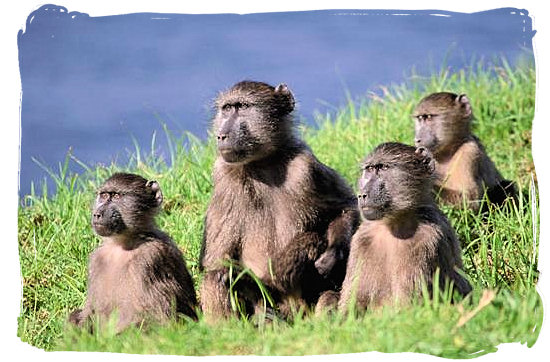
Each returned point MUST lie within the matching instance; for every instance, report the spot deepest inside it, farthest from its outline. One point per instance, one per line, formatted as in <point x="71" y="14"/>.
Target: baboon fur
<point x="463" y="169"/>
<point x="137" y="272"/>
<point x="403" y="237"/>
<point x="275" y="209"/>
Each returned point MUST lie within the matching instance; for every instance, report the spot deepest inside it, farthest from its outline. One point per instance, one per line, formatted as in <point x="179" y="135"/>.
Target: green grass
<point x="500" y="251"/>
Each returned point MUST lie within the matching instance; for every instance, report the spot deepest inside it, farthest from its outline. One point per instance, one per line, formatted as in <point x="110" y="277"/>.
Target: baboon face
<point x="441" y="119"/>
<point x="125" y="202"/>
<point x="252" y="120"/>
<point x="395" y="177"/>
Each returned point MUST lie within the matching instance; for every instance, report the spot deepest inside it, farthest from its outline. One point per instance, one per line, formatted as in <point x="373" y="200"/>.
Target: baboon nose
<point x="222" y="137"/>
<point x="97" y="216"/>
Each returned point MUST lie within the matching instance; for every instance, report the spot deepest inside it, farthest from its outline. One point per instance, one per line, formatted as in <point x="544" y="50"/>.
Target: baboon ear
<point x="426" y="158"/>
<point x="155" y="187"/>
<point x="465" y="104"/>
<point x="285" y="91"/>
<point x="282" y="88"/>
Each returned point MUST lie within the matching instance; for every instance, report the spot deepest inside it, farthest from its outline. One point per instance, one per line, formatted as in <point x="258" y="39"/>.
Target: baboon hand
<point x="326" y="262"/>
<point x="76" y="317"/>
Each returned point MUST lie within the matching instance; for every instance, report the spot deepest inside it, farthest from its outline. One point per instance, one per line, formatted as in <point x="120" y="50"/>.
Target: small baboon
<point x="403" y="237"/>
<point x="137" y="272"/>
<point x="463" y="169"/>
<point x="275" y="209"/>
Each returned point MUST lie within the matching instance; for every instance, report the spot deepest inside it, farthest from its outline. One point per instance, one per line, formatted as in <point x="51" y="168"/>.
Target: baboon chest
<point x="113" y="284"/>
<point x="254" y="215"/>
<point x="457" y="173"/>
<point x="393" y="268"/>
<point x="269" y="229"/>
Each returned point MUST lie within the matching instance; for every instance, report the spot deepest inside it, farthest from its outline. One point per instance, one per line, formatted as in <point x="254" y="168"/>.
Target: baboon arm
<point x="218" y="245"/>
<point x="339" y="233"/>
<point x="214" y="296"/>
<point x="289" y="264"/>
<point x="450" y="260"/>
<point x="168" y="284"/>
<point x="203" y="244"/>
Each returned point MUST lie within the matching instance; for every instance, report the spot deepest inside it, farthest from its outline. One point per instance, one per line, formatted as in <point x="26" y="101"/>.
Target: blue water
<point x="93" y="83"/>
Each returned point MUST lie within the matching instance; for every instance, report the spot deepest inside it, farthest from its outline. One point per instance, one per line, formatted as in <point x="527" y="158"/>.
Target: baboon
<point x="275" y="209"/>
<point x="403" y="237"/>
<point x="463" y="169"/>
<point x="137" y="272"/>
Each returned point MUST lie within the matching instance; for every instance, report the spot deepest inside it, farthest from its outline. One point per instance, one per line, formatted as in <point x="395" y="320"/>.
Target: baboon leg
<point x="215" y="296"/>
<point x="290" y="305"/>
<point x="460" y="284"/>
<point x="127" y="319"/>
<point x="499" y="193"/>
<point x="328" y="302"/>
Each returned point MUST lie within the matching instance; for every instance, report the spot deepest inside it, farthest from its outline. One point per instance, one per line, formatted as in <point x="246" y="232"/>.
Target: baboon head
<point x="253" y="120"/>
<point x="442" y="120"/>
<point x="395" y="178"/>
<point x="125" y="203"/>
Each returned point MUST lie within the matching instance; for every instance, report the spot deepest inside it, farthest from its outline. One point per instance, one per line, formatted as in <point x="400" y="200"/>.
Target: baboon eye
<point x="226" y="107"/>
<point x="104" y="195"/>
<point x="425" y="117"/>
<point x="116" y="195"/>
<point x="241" y="105"/>
<point x="384" y="167"/>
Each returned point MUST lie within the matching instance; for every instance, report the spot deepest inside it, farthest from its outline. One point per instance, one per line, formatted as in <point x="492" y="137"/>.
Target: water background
<point x="93" y="84"/>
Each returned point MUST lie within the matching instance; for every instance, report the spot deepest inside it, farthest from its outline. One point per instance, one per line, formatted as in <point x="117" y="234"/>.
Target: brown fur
<point x="277" y="210"/>
<point x="137" y="271"/>
<point x="463" y="169"/>
<point x="399" y="246"/>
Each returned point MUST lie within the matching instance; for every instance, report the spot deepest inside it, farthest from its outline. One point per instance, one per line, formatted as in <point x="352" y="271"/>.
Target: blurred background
<point x="97" y="86"/>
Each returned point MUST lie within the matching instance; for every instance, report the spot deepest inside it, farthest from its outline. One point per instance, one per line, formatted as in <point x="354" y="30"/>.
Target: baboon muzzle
<point x="107" y="221"/>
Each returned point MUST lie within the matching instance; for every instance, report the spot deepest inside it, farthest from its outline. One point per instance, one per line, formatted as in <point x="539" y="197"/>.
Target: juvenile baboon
<point x="275" y="209"/>
<point x="403" y="237"/>
<point x="463" y="169"/>
<point x="137" y="272"/>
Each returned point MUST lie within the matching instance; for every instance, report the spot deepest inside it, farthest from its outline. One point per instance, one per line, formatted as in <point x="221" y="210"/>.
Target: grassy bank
<point x="500" y="251"/>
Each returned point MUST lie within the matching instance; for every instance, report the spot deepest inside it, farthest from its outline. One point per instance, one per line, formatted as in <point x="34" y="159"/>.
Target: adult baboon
<point x="463" y="169"/>
<point x="275" y="209"/>
<point x="137" y="272"/>
<point x="403" y="237"/>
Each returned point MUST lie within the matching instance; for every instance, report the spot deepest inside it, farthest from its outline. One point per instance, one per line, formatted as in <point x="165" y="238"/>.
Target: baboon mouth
<point x="372" y="213"/>
<point x="232" y="155"/>
<point x="103" y="229"/>
<point x="372" y="205"/>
